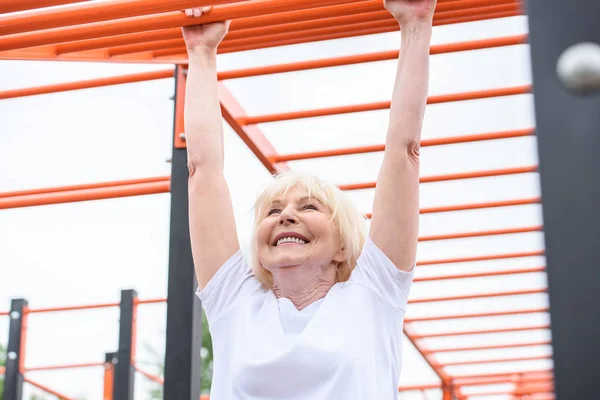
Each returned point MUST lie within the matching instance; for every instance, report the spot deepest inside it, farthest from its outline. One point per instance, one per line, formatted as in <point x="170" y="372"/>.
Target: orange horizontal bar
<point x="150" y="301"/>
<point x="84" y="186"/>
<point x="480" y="274"/>
<point x="153" y="22"/>
<point x="366" y="58"/>
<point x="424" y="143"/>
<point x="497" y="360"/>
<point x="486" y="347"/>
<point x="48" y="390"/>
<point x="496" y="232"/>
<point x="352" y="31"/>
<point x="351" y="26"/>
<point x="478" y="296"/>
<point x="67" y="366"/>
<point x="383" y="105"/>
<point x="69" y="308"/>
<point x="481" y="258"/>
<point x="7" y="6"/>
<point x="92" y="11"/>
<point x="452" y="177"/>
<point x="2" y="369"/>
<point x="483" y="331"/>
<point x="457" y="378"/>
<point x="476" y="315"/>
<point x="4" y="313"/>
<point x="236" y="28"/>
<point x="506" y="379"/>
<point x="91" y="83"/>
<point x="512" y="392"/>
<point x="476" y="206"/>
<point x="85" y="195"/>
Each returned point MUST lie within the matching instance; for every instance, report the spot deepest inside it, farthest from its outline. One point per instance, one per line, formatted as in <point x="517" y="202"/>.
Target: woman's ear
<point x="340" y="256"/>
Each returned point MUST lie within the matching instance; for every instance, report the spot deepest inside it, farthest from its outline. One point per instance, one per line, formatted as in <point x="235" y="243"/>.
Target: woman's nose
<point x="286" y="218"/>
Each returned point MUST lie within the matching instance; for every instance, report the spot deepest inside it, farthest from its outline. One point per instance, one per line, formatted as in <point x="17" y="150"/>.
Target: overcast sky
<point x="87" y="252"/>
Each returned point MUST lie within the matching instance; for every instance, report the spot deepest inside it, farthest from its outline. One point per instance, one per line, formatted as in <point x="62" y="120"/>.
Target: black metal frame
<point x="184" y="312"/>
<point x="124" y="372"/>
<point x="568" y="132"/>
<point x="13" y="377"/>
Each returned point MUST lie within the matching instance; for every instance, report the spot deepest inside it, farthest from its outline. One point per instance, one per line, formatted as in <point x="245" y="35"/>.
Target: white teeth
<point x="290" y="240"/>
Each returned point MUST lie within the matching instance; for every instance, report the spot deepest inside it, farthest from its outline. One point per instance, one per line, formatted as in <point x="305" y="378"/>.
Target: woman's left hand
<point x="407" y="11"/>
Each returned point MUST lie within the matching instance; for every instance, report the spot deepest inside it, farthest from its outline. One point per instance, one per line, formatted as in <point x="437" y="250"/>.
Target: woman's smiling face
<point x="297" y="230"/>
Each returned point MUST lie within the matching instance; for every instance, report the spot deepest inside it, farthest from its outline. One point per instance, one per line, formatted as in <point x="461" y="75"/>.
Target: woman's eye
<point x="273" y="211"/>
<point x="310" y="207"/>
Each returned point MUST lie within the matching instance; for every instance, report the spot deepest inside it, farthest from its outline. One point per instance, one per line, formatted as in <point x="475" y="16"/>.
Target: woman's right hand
<point x="204" y="36"/>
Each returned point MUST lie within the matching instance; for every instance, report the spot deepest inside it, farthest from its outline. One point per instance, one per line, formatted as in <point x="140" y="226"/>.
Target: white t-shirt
<point x="347" y="345"/>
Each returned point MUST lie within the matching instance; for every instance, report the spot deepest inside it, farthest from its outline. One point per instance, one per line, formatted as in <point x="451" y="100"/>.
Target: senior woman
<point x="320" y="313"/>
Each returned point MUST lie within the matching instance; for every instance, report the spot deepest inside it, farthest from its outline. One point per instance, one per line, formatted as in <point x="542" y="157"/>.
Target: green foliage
<point x="157" y="363"/>
<point x="3" y="364"/>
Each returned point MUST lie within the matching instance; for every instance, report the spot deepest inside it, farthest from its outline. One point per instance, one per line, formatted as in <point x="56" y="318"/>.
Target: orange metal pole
<point x="47" y="389"/>
<point x="92" y="11"/>
<point x="465" y="235"/>
<point x="86" y="84"/>
<point x="109" y="377"/>
<point x="70" y="308"/>
<point x="85" y="195"/>
<point x="66" y="366"/>
<point x="163" y="21"/>
<point x="487" y="347"/>
<point x="482" y="258"/>
<point x="369" y="57"/>
<point x="383" y="105"/>
<point x="484" y="331"/>
<point x="7" y="6"/>
<point x="497" y="360"/>
<point x="424" y="143"/>
<point x="508" y="375"/>
<point x="480" y="274"/>
<point x="4" y="313"/>
<point x="502" y="379"/>
<point x="151" y="301"/>
<point x="370" y="29"/>
<point x="478" y="315"/>
<point x="477" y="296"/>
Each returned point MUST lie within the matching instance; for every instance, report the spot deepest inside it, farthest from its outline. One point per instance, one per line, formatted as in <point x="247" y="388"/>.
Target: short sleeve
<point x="233" y="281"/>
<point x="376" y="270"/>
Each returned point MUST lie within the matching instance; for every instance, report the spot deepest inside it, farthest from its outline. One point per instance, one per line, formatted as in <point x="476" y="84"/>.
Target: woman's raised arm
<point x="212" y="222"/>
<point x="395" y="216"/>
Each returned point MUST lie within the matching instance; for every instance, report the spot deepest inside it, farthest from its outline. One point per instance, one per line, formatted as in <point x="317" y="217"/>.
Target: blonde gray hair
<point x="350" y="223"/>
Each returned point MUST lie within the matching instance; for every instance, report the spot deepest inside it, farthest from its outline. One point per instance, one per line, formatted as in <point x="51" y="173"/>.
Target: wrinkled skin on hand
<point x="203" y="36"/>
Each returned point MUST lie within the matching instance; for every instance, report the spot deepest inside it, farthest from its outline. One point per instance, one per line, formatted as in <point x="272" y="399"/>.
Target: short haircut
<point x="350" y="223"/>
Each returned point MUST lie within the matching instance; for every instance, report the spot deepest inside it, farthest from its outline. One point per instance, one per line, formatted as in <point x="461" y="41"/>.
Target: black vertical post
<point x="184" y="313"/>
<point x="124" y="372"/>
<point x="13" y="377"/>
<point x="568" y="132"/>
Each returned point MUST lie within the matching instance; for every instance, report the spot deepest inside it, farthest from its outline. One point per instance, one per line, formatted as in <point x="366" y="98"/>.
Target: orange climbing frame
<point x="148" y="31"/>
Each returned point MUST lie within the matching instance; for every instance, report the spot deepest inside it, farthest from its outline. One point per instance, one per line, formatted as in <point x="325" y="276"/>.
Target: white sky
<point x="87" y="252"/>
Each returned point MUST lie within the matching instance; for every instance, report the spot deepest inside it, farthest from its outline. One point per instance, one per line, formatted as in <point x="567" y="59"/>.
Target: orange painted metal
<point x="70" y="308"/>
<point x="87" y="84"/>
<point x="161" y="21"/>
<point x="488" y="257"/>
<point x="109" y="378"/>
<point x="424" y="143"/>
<point x="84" y="195"/>
<point x="7" y="6"/>
<point x="179" y="98"/>
<point x="497" y="360"/>
<point x="369" y="57"/>
<point x="478" y="296"/>
<point x="480" y="274"/>
<point x="486" y="331"/>
<point x="47" y="389"/>
<point x="495" y="232"/>
<point x="384" y="105"/>
<point x="486" y="347"/>
<point x="476" y="315"/>
<point x="91" y="11"/>
<point x="151" y="301"/>
<point x="251" y="135"/>
<point x="149" y="375"/>
<point x="66" y="366"/>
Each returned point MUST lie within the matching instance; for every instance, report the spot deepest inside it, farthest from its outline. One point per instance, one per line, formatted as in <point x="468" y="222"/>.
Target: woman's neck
<point x="301" y="285"/>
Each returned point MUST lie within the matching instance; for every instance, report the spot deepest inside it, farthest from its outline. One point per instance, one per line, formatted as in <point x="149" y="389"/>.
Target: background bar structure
<point x="13" y="378"/>
<point x="184" y="311"/>
<point x="568" y="127"/>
